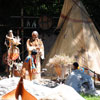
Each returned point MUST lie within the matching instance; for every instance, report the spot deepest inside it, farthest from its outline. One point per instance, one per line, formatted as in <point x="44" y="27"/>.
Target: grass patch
<point x="90" y="97"/>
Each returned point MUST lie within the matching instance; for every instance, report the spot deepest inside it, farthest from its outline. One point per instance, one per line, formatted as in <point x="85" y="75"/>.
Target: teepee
<point x="78" y="37"/>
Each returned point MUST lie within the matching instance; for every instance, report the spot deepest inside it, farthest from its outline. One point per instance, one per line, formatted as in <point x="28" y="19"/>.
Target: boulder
<point x="81" y="82"/>
<point x="43" y="89"/>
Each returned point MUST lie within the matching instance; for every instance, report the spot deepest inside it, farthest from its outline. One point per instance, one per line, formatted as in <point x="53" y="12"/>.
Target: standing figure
<point x="13" y="52"/>
<point x="32" y="62"/>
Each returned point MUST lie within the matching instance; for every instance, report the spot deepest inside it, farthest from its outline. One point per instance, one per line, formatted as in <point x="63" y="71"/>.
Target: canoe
<point x="19" y="92"/>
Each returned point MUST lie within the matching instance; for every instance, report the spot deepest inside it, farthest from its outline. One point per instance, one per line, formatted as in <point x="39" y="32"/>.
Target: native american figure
<point x="13" y="52"/>
<point x="32" y="63"/>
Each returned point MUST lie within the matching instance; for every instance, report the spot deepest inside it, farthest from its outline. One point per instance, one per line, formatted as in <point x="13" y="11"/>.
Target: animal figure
<point x="19" y="92"/>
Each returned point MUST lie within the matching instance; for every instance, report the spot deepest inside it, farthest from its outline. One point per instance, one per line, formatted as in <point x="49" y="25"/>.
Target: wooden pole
<point x="22" y="31"/>
<point x="94" y="78"/>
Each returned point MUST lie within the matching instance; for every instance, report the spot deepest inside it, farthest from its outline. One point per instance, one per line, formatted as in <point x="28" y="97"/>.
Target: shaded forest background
<point x="50" y="7"/>
<point x="38" y="8"/>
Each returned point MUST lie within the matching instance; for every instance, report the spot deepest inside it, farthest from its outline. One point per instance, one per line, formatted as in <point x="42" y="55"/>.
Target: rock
<point x="81" y="82"/>
<point x="63" y="92"/>
<point x="42" y="89"/>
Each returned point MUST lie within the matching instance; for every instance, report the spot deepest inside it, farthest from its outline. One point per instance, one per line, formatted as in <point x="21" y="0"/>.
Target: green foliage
<point x="90" y="97"/>
<point x="39" y="7"/>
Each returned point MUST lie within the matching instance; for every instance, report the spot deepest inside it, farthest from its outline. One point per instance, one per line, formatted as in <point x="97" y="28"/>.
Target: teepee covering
<point x="78" y="36"/>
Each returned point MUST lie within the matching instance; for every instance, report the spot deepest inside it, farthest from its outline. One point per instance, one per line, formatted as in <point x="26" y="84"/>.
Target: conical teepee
<point x="78" y="36"/>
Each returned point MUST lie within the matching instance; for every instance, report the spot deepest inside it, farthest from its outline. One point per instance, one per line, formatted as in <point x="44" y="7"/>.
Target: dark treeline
<point x="49" y="7"/>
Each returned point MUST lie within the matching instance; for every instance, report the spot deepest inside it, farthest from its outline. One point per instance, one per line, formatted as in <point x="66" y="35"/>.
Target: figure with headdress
<point x="35" y="50"/>
<point x="13" y="52"/>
